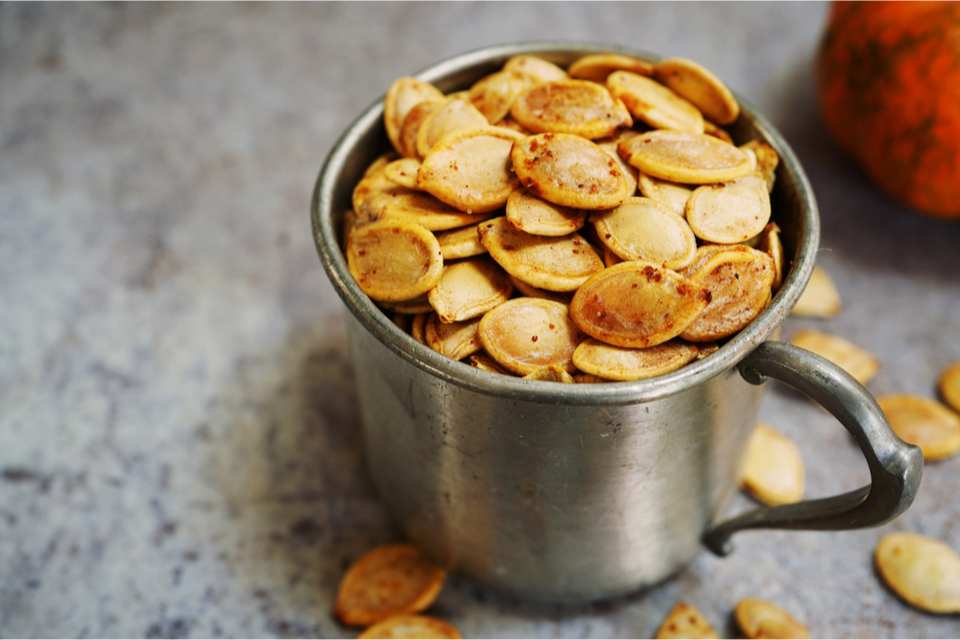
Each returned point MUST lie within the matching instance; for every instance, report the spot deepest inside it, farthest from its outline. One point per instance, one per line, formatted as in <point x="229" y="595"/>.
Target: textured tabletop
<point x="179" y="441"/>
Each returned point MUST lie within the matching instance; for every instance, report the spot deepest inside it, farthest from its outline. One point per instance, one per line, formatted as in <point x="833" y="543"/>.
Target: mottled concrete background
<point x="179" y="449"/>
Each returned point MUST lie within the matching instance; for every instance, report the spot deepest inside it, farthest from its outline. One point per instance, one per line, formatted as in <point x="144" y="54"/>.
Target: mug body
<point x="550" y="491"/>
<point x="550" y="501"/>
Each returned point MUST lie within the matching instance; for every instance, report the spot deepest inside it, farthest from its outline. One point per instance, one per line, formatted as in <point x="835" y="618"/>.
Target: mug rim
<point x="611" y="393"/>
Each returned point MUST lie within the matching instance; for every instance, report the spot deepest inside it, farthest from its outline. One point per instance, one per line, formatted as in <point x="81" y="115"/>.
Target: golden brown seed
<point x="769" y="242"/>
<point x="402" y="96"/>
<point x="637" y="304"/>
<point x="455" y="114"/>
<point x="739" y="283"/>
<point x="950" y="385"/>
<point x="569" y="171"/>
<point x="820" y="298"/>
<point x="418" y="327"/>
<point x="598" y="67"/>
<point x="470" y="169"/>
<point x="713" y="130"/>
<point x="923" y="571"/>
<point x="705" y="349"/>
<point x="923" y="422"/>
<point x="470" y="288"/>
<point x="655" y="104"/>
<point x="610" y="258"/>
<point x="495" y="94"/>
<point x="460" y="243"/>
<point x="731" y="212"/>
<point x="698" y="85"/>
<point x="671" y="194"/>
<point x="685" y="621"/>
<point x="708" y="251"/>
<point x="553" y="373"/>
<point x="412" y="123"/>
<point x="761" y="619"/>
<point x="577" y="107"/>
<point x="526" y="212"/>
<point x="772" y="467"/>
<point x="609" y="146"/>
<point x="403" y="172"/>
<point x="555" y="264"/>
<point x="644" y="229"/>
<point x="394" y="260"/>
<point x="484" y="362"/>
<point x="525" y="334"/>
<point x="387" y="581"/>
<point x="623" y="363"/>
<point x="347" y="223"/>
<point x="455" y="340"/>
<point x="684" y="157"/>
<point x="538" y="68"/>
<point x="767" y="160"/>
<point x="411" y="626"/>
<point x="858" y="362"/>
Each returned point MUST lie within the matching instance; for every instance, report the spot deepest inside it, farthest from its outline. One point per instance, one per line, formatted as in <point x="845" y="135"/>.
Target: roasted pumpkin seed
<point x="470" y="169"/>
<point x="455" y="114"/>
<point x="637" y="304"/>
<point x="655" y="104"/>
<point x="575" y="107"/>
<point x="411" y="626"/>
<point x="555" y="264"/>
<point x="455" y="340"/>
<point x="460" y="243"/>
<point x="553" y="373"/>
<point x="394" y="260"/>
<point x="820" y="298"/>
<point x="739" y="283"/>
<point x="858" y="362"/>
<point x="731" y="212"/>
<point x="495" y="94"/>
<point x="402" y="96"/>
<point x="412" y="123"/>
<point x="526" y="212"/>
<point x="688" y="158"/>
<point x="525" y="334"/>
<point x="767" y="160"/>
<point x="923" y="571"/>
<point x="699" y="86"/>
<point x="403" y="172"/>
<point x="569" y="170"/>
<point x="671" y="194"/>
<point x="387" y="581"/>
<point x="538" y="68"/>
<point x="624" y="363"/>
<point x="950" y="385"/>
<point x="761" y="619"/>
<point x="644" y="229"/>
<point x="685" y="621"/>
<point x="470" y="288"/>
<point x="598" y="67"/>
<point x="923" y="422"/>
<point x="772" y="469"/>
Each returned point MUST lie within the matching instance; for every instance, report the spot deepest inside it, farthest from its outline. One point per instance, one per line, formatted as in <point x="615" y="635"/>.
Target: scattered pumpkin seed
<point x="950" y="385"/>
<point x="858" y="362"/>
<point x="772" y="469"/>
<point x="761" y="619"/>
<point x="820" y="298"/>
<point x="411" y="626"/>
<point x="923" y="571"/>
<point x="685" y="621"/>
<point x="387" y="581"/>
<point x="923" y="422"/>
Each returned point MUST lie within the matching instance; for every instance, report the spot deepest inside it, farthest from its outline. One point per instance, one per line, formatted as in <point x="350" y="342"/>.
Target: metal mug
<point x="574" y="493"/>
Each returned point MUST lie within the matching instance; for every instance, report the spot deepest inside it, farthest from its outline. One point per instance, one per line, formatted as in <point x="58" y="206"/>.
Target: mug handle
<point x="895" y="466"/>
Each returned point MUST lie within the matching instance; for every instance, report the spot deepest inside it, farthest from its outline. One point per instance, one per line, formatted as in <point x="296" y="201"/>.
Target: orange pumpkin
<point x="889" y="87"/>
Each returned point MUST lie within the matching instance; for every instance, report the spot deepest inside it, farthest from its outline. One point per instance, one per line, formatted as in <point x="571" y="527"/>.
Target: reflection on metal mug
<point x="575" y="493"/>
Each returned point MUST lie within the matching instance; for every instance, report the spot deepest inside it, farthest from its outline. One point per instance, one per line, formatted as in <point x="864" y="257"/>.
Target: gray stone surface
<point x="179" y="449"/>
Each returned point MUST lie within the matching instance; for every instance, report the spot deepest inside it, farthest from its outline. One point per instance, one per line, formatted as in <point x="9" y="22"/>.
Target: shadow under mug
<point x="574" y="493"/>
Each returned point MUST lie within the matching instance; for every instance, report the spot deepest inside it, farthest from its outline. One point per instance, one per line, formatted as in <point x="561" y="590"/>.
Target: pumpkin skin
<point x="888" y="77"/>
